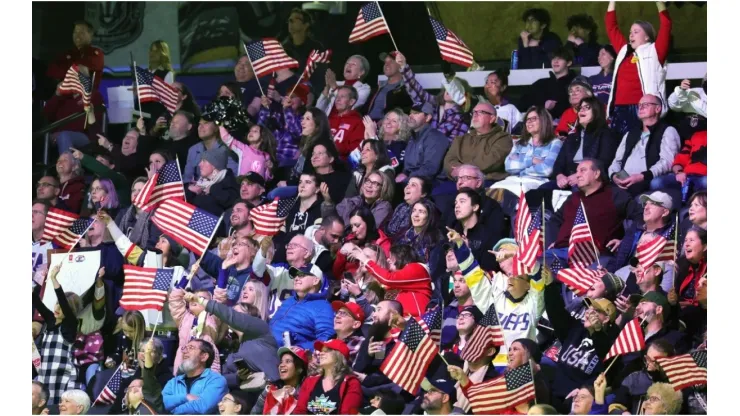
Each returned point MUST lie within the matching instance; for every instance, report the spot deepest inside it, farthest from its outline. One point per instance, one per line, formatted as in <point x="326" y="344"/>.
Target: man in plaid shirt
<point x="450" y="119"/>
<point x="348" y="320"/>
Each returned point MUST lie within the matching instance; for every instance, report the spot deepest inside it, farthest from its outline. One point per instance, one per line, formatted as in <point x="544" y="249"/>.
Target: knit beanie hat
<point x="613" y="285"/>
<point x="218" y="157"/>
<point x="456" y="90"/>
<point x="175" y="247"/>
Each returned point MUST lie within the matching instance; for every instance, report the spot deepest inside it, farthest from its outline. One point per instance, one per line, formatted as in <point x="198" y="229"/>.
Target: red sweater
<point x="413" y="282"/>
<point x="347" y="131"/>
<point x="350" y="393"/>
<point x="567" y="123"/>
<point x="341" y="264"/>
<point x="629" y="89"/>
<point x="693" y="155"/>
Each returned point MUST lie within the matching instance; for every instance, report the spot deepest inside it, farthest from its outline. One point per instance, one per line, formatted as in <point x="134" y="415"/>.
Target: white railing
<point x="676" y="71"/>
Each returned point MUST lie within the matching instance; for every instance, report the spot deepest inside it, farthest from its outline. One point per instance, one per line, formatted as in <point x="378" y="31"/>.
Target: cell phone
<point x="241" y="364"/>
<point x="622" y="174"/>
<point x="348" y="276"/>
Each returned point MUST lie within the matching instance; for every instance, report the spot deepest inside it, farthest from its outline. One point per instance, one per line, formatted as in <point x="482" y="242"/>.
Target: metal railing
<point x="46" y="130"/>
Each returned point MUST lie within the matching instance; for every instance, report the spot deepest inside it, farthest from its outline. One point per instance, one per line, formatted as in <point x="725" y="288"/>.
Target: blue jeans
<point x="67" y="139"/>
<point x="623" y="119"/>
<point x="669" y="183"/>
<point x="90" y="372"/>
<point x="282" y="192"/>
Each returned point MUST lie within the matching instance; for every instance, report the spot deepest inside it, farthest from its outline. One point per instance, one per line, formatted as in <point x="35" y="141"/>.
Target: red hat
<point x="354" y="309"/>
<point x="302" y="91"/>
<point x="297" y="352"/>
<point x="333" y="344"/>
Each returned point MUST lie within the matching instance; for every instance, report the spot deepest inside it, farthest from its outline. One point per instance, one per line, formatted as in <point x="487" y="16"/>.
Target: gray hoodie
<point x="258" y="348"/>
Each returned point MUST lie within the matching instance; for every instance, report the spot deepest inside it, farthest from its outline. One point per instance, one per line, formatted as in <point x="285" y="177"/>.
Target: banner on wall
<point x="207" y="34"/>
<point x="117" y="23"/>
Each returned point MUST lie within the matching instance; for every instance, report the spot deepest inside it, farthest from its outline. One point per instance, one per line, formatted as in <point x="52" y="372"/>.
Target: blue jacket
<point x="192" y="173"/>
<point x="210" y="387"/>
<point x="307" y="320"/>
<point x="425" y="153"/>
<point x="230" y="279"/>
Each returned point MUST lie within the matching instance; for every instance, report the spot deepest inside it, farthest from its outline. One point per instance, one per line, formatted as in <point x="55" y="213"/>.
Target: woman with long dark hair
<point x="592" y="140"/>
<point x="418" y="187"/>
<point x="362" y="231"/>
<point x="373" y="157"/>
<point x="601" y="83"/>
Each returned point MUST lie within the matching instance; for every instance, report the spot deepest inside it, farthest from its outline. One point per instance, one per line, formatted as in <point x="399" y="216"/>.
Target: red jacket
<point x="341" y="264"/>
<point x="568" y="122"/>
<point x="693" y="155"/>
<point x="89" y="56"/>
<point x="350" y="395"/>
<point x="72" y="194"/>
<point x="60" y="106"/>
<point x="347" y="131"/>
<point x="413" y="281"/>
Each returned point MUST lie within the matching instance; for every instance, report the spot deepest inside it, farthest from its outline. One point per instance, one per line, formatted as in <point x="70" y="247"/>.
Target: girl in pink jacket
<point x="251" y="158"/>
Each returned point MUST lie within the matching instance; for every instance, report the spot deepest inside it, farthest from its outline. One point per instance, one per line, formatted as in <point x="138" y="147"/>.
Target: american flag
<point x="530" y="247"/>
<point x="190" y="226"/>
<point x="269" y="218"/>
<point x="631" y="339"/>
<point x="75" y="82"/>
<point x="314" y="58"/>
<point x="145" y="287"/>
<point x="685" y="370"/>
<point x="108" y="395"/>
<point x="661" y="248"/>
<point x="504" y="392"/>
<point x="431" y="322"/>
<point x="409" y="359"/>
<point x="486" y="334"/>
<point x="153" y="89"/>
<point x="580" y="248"/>
<point x="451" y="47"/>
<point x="72" y="234"/>
<point x="165" y="184"/>
<point x="579" y="279"/>
<point x="57" y="221"/>
<point x="369" y="24"/>
<point x="267" y="56"/>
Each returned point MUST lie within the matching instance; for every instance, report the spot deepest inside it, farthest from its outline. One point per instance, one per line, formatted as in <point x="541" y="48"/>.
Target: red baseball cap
<point x="297" y="352"/>
<point x="354" y="309"/>
<point x="333" y="344"/>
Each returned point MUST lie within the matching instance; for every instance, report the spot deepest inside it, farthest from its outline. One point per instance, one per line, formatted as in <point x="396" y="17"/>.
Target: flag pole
<point x="177" y="160"/>
<point x="136" y="81"/>
<point x="154" y="331"/>
<point x="544" y="240"/>
<point x="81" y="235"/>
<point x="196" y="265"/>
<point x="442" y="357"/>
<point x="675" y="251"/>
<point x="305" y="71"/>
<point x="386" y="26"/>
<point x="583" y="208"/>
<point x="250" y="64"/>
<point x="531" y="371"/>
<point x="88" y="108"/>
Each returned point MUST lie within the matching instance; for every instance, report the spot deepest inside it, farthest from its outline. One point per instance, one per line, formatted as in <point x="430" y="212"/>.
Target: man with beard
<point x="380" y="341"/>
<point x="427" y="146"/>
<point x="182" y="136"/>
<point x="324" y="236"/>
<point x="640" y="376"/>
<point x="439" y="396"/>
<point x="197" y="390"/>
<point x="237" y="221"/>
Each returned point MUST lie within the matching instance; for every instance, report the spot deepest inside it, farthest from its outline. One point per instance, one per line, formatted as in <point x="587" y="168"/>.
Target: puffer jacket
<point x="306" y="320"/>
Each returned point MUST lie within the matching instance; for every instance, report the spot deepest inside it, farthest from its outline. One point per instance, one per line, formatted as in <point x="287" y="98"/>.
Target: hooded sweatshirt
<point x="72" y="193"/>
<point x="347" y="130"/>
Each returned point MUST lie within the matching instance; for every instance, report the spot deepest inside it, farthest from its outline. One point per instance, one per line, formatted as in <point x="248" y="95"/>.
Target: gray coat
<point x="258" y="348"/>
<point x="191" y="173"/>
<point x="425" y="153"/>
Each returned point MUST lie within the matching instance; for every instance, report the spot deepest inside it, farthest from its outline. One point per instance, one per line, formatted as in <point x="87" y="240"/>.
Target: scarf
<point x="139" y="234"/>
<point x="216" y="177"/>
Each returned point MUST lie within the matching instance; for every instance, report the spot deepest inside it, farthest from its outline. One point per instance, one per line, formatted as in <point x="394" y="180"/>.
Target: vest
<point x="651" y="72"/>
<point x="652" y="149"/>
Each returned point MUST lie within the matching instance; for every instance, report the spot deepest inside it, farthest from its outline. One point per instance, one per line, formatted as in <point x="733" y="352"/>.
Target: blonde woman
<point x="160" y="63"/>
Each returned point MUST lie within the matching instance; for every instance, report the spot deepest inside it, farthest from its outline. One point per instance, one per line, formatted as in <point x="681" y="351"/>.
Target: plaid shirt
<point x="452" y="122"/>
<point x="519" y="160"/>
<point x="286" y="127"/>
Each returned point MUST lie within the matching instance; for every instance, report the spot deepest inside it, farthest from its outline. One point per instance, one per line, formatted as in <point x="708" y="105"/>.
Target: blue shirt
<point x="602" y="86"/>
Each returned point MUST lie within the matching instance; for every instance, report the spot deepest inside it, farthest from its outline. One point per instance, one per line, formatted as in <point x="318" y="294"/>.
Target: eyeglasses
<point x="343" y="314"/>
<point x="480" y="113"/>
<point x="532" y="119"/>
<point x="294" y="245"/>
<point x="96" y="189"/>
<point x="46" y="185"/>
<point x="37" y="212"/>
<point x="645" y="105"/>
<point x="466" y="178"/>
<point x="584" y="107"/>
<point x="374" y="183"/>
<point x="190" y="348"/>
<point x="465" y="315"/>
<point x="227" y="399"/>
